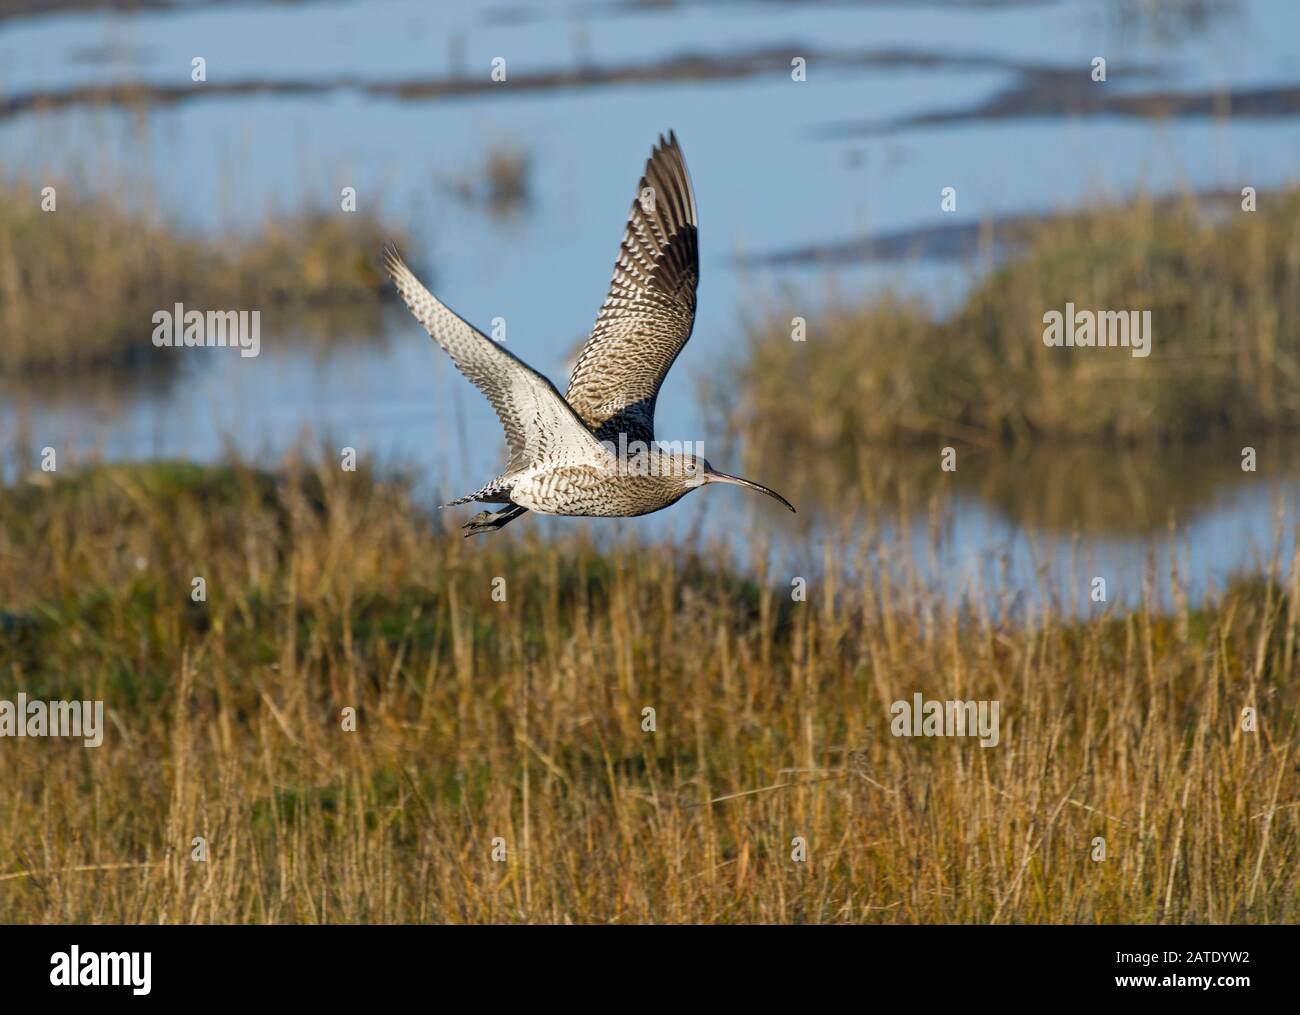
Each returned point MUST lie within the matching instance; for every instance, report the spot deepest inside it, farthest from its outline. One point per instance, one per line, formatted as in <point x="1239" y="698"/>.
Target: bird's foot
<point x="484" y="521"/>
<point x="490" y="521"/>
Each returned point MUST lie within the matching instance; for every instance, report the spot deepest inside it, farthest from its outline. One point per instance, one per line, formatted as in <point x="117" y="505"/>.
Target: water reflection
<point x="1058" y="490"/>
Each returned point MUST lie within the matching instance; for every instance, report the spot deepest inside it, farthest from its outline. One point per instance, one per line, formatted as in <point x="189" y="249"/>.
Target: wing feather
<point x="648" y="315"/>
<point x="539" y="424"/>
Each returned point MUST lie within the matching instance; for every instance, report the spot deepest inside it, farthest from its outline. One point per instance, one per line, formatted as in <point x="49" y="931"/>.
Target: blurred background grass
<point x="79" y="288"/>
<point x="1223" y="288"/>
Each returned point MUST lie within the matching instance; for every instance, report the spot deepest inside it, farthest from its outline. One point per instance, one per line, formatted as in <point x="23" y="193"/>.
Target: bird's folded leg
<point x="490" y="521"/>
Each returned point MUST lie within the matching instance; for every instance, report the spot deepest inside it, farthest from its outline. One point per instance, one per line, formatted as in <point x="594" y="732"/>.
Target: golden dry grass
<point x="522" y="720"/>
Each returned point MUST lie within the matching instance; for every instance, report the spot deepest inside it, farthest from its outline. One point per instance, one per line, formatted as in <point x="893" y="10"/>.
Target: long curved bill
<point x="713" y="476"/>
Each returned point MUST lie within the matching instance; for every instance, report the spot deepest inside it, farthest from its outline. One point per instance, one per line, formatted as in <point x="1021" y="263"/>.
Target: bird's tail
<point x="495" y="492"/>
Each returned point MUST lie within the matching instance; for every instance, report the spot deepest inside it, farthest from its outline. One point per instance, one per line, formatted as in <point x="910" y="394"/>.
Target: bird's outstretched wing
<point x="650" y="310"/>
<point x="539" y="425"/>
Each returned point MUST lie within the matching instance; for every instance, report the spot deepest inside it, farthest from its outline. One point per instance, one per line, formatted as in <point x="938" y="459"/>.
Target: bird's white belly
<point x="586" y="490"/>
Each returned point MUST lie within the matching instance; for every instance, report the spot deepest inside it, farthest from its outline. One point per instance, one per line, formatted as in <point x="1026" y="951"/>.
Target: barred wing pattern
<point x="540" y="426"/>
<point x="650" y="310"/>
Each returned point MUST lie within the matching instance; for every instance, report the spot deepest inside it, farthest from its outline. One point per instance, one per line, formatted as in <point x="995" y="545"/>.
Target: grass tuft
<point x="1224" y="294"/>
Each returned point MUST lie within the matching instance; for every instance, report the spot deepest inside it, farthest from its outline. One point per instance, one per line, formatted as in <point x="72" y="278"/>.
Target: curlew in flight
<point x="568" y="455"/>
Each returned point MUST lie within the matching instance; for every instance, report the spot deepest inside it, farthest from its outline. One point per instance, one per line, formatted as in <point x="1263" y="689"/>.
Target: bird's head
<point x="698" y="472"/>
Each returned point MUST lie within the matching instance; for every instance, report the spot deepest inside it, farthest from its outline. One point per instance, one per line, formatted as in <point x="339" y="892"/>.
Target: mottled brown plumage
<point x="650" y="310"/>
<point x="564" y="456"/>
